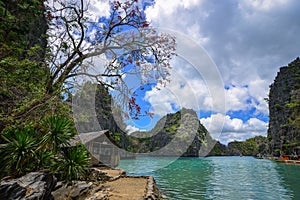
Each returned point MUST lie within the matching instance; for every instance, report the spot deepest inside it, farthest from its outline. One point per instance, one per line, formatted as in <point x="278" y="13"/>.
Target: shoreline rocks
<point x="102" y="183"/>
<point x="32" y="186"/>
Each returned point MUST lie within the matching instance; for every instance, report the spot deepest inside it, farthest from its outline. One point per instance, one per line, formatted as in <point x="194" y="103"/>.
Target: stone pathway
<point x="126" y="188"/>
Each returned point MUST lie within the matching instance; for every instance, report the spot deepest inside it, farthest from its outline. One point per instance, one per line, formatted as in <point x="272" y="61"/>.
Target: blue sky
<point x="248" y="40"/>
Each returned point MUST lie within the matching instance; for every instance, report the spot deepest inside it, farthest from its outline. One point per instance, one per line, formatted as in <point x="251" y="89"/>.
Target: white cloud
<point x="234" y="129"/>
<point x="236" y="98"/>
<point x="187" y="89"/>
<point x="99" y="8"/>
<point x="247" y="97"/>
<point x="191" y="91"/>
<point x="247" y="39"/>
<point x="259" y="90"/>
<point x="130" y="129"/>
<point x="169" y="7"/>
<point x="194" y="32"/>
<point x="263" y="5"/>
<point x="172" y="14"/>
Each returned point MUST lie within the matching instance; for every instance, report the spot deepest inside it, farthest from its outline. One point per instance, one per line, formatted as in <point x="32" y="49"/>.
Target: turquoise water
<point x="219" y="177"/>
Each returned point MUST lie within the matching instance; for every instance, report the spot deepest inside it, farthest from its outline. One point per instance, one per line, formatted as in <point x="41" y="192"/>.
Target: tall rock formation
<point x="180" y="133"/>
<point x="284" y="107"/>
<point x="98" y="113"/>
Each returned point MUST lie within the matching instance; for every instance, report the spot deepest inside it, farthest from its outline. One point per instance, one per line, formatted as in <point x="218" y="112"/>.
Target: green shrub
<point x="57" y="132"/>
<point x="74" y="163"/>
<point x="18" y="155"/>
<point x="32" y="149"/>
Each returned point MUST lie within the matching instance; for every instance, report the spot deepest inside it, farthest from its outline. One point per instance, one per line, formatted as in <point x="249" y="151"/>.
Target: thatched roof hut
<point x="102" y="150"/>
<point x="86" y="137"/>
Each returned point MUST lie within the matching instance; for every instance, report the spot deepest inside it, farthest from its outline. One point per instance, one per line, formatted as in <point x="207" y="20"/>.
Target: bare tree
<point x="125" y="39"/>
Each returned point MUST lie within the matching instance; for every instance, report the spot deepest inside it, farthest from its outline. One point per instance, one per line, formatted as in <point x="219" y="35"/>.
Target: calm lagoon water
<point x="219" y="177"/>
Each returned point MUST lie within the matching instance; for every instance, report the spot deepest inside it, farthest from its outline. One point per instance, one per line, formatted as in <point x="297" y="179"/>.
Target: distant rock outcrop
<point x="284" y="107"/>
<point x="219" y="149"/>
<point x="251" y="147"/>
<point x="183" y="130"/>
<point x="99" y="113"/>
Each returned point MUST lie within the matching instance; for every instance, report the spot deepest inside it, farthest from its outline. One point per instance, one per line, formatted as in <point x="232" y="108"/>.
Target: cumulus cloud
<point x="187" y="89"/>
<point x="131" y="129"/>
<point x="247" y="97"/>
<point x="249" y="42"/>
<point x="236" y="98"/>
<point x="234" y="128"/>
<point x="172" y="13"/>
<point x="99" y="8"/>
<point x="247" y="39"/>
<point x="259" y="90"/>
<point x="264" y="5"/>
<point x="169" y="7"/>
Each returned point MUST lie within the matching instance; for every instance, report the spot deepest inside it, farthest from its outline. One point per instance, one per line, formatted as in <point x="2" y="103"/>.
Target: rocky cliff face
<point x="102" y="104"/>
<point x="34" y="185"/>
<point x="284" y="107"/>
<point x="180" y="133"/>
<point x="110" y="118"/>
<point x="219" y="149"/>
<point x="251" y="147"/>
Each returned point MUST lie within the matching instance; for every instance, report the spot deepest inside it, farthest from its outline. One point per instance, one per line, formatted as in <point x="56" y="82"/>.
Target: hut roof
<point x="86" y="137"/>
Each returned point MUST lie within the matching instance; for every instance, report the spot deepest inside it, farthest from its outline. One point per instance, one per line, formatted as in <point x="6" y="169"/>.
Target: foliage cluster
<point x="250" y="147"/>
<point x="21" y="22"/>
<point x="23" y="70"/>
<point x="43" y="147"/>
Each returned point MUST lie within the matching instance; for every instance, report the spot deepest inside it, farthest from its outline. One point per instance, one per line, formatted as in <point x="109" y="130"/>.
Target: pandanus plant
<point x="30" y="149"/>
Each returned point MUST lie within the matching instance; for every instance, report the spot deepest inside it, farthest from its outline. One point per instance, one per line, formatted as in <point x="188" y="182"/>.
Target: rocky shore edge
<point x="101" y="183"/>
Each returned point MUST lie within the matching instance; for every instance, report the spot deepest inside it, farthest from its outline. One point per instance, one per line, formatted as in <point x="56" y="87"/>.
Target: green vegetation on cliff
<point x="255" y="146"/>
<point x="180" y="133"/>
<point x="284" y="106"/>
<point x="250" y="147"/>
<point x="22" y="68"/>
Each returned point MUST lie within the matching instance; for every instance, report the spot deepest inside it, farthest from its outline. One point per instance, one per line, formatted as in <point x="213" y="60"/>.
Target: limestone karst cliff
<point x="284" y="107"/>
<point x="179" y="133"/>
